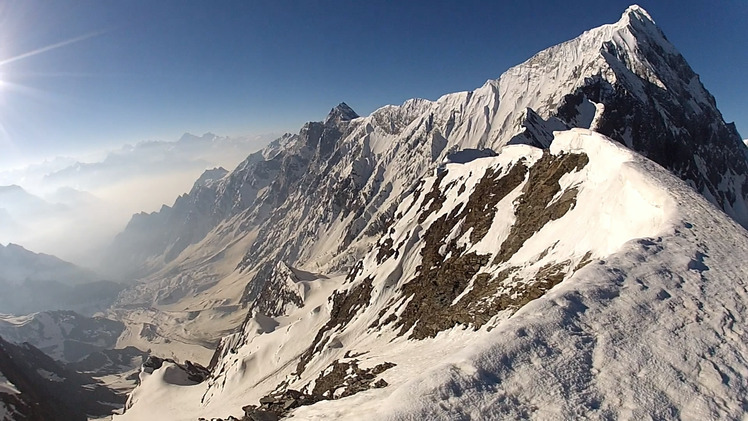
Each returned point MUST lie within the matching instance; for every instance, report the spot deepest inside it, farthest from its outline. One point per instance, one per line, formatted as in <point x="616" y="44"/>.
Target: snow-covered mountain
<point x="318" y="199"/>
<point x="580" y="279"/>
<point x="559" y="243"/>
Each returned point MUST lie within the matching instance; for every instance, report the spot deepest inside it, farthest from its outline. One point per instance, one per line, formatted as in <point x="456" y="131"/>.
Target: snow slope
<point x="514" y="284"/>
<point x="317" y="200"/>
<point x="626" y="301"/>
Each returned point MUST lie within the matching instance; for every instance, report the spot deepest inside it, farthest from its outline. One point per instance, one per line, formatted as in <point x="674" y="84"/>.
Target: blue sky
<point x="125" y="71"/>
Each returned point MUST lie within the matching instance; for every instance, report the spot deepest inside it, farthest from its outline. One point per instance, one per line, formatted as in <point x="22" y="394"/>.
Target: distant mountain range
<point x="34" y="282"/>
<point x="74" y="208"/>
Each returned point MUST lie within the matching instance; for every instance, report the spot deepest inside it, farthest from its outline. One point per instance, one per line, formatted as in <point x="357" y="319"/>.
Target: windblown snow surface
<point x="644" y="318"/>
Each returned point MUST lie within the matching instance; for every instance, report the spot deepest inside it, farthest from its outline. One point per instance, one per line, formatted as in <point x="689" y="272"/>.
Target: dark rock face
<point x="668" y="117"/>
<point x="446" y="268"/>
<point x="196" y="373"/>
<point x="441" y="279"/>
<point x="50" y="391"/>
<point x="345" y="378"/>
<point x="272" y="289"/>
<point x="345" y="305"/>
<point x="110" y="361"/>
<point x="535" y="207"/>
<point x="697" y="150"/>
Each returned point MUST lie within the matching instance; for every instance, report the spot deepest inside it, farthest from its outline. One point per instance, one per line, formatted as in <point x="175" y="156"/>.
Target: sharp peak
<point x="343" y="106"/>
<point x="215" y="170"/>
<point x="341" y="112"/>
<point x="636" y="16"/>
<point x="636" y="11"/>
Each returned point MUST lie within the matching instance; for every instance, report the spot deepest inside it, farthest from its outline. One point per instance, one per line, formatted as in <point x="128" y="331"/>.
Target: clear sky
<point x="87" y="75"/>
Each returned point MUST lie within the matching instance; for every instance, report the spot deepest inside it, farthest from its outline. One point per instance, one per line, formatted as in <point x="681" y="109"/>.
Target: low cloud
<point x="73" y="209"/>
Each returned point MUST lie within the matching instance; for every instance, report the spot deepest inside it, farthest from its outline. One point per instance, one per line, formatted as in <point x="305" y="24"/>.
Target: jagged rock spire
<point x="342" y="112"/>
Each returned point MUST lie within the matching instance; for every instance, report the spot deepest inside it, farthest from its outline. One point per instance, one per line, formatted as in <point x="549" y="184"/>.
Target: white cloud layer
<point x="73" y="209"/>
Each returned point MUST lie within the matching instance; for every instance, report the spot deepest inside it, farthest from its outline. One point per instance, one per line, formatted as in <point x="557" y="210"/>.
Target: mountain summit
<point x="576" y="263"/>
<point x="342" y="112"/>
<point x="337" y="186"/>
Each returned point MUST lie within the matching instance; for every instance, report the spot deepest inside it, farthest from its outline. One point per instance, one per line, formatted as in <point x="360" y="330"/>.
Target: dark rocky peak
<point x="275" y="289"/>
<point x="647" y="97"/>
<point x="341" y="113"/>
<point x="189" y="372"/>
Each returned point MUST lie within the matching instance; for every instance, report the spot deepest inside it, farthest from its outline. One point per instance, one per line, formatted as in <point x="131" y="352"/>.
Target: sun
<point x="9" y="87"/>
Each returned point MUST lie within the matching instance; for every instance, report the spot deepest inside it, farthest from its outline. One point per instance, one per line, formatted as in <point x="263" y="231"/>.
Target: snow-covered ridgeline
<point x="634" y="257"/>
<point x="317" y="199"/>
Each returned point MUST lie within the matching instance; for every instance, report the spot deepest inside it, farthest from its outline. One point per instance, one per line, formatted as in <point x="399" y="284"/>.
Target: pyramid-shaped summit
<point x="340" y="113"/>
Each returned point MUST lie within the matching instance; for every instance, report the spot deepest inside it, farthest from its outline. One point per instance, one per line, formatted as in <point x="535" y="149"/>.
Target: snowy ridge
<point x="317" y="200"/>
<point x="442" y="255"/>
<point x="563" y="310"/>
